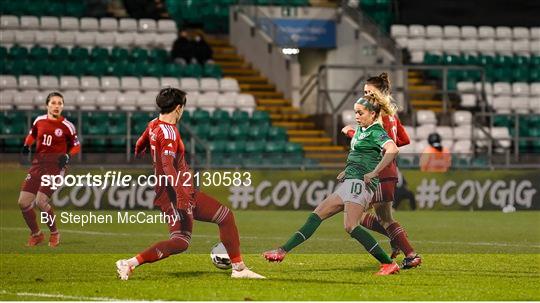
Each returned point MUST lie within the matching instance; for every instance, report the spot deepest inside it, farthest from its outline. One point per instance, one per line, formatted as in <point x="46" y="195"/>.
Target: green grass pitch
<point x="467" y="256"/>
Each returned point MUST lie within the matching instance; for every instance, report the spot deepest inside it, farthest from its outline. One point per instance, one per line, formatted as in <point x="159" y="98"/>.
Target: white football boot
<point x="123" y="269"/>
<point x="246" y="273"/>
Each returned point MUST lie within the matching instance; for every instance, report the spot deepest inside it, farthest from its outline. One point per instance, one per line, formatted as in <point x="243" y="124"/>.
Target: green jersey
<point x="366" y="152"/>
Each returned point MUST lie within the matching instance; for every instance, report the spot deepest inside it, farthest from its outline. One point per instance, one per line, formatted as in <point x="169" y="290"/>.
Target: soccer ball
<point x="219" y="256"/>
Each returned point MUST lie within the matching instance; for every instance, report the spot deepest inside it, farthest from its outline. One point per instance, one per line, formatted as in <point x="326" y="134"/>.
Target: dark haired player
<point x="57" y="141"/>
<point x="181" y="202"/>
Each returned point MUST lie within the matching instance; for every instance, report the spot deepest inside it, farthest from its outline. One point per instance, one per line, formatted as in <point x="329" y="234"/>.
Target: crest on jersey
<point x="58" y="132"/>
<point x="362" y="136"/>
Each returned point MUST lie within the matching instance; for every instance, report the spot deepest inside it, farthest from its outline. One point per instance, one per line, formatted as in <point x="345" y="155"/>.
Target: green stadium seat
<point x="59" y="53"/>
<point x="192" y="70"/>
<point x="75" y="8"/>
<point x="255" y="148"/>
<point x="260" y="118"/>
<point x="202" y="131"/>
<point x="200" y="116"/>
<point x="154" y="69"/>
<point x="52" y="8"/>
<point x="235" y="147"/>
<point x="277" y="134"/>
<point x="218" y="132"/>
<point x="186" y="117"/>
<point x="138" y="55"/>
<point x="173" y="70"/>
<point x="535" y="60"/>
<point x="94" y="68"/>
<point x="220" y="116"/>
<point x="534" y="74"/>
<point x="72" y="68"/>
<point x="3" y="52"/>
<point x="212" y="70"/>
<point x="486" y="60"/>
<point x="451" y="59"/>
<point x="18" y="53"/>
<point x="520" y="74"/>
<point x="469" y="59"/>
<point x="503" y="61"/>
<point x="96" y="144"/>
<point x="79" y="53"/>
<point x="119" y="54"/>
<point x="520" y="61"/>
<point x="258" y="132"/>
<point x="274" y="148"/>
<point x="238" y="132"/>
<point x="38" y="52"/>
<point x="99" y="54"/>
<point x="503" y="74"/>
<point x="14" y="67"/>
<point x="158" y="55"/>
<point x="240" y="117"/>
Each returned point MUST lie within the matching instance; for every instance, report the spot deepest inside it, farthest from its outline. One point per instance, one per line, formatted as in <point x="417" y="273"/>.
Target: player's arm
<point x="402" y="138"/>
<point x="349" y="131"/>
<point x="390" y="153"/>
<point x="142" y="144"/>
<point x="73" y="146"/>
<point x="29" y="140"/>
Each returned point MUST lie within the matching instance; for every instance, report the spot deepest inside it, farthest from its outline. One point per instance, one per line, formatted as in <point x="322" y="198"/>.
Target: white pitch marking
<point x="60" y="296"/>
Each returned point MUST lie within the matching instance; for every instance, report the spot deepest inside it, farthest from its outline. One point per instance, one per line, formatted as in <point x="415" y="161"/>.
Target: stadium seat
<point x="130" y="83"/>
<point x="166" y="26"/>
<point x="209" y="85"/>
<point x="426" y="117"/>
<point x="469" y="32"/>
<point x="49" y="23"/>
<point x="422" y="132"/>
<point x="146" y="101"/>
<point x="220" y="116"/>
<point x="260" y="118"/>
<point x="128" y="100"/>
<point x="420" y="146"/>
<point x="189" y="84"/>
<point x="150" y="83"/>
<point x="158" y="55"/>
<point x="502" y="136"/>
<point x="124" y="39"/>
<point x="434" y="31"/>
<point x="147" y="25"/>
<point x="503" y="32"/>
<point x="451" y="32"/>
<point x="7" y="37"/>
<point x="65" y="38"/>
<point x="69" y="82"/>
<point x="227" y="101"/>
<point x="277" y="134"/>
<point x="70" y="99"/>
<point x="246" y="102"/>
<point x="445" y="132"/>
<point x="8" y="82"/>
<point x="463" y="132"/>
<point x="169" y="81"/>
<point x="240" y="117"/>
<point x="502" y="88"/>
<point x="127" y="25"/>
<point x="25" y="38"/>
<point x="48" y="83"/>
<point x="29" y="23"/>
<point x="207" y="101"/>
<point x="87" y="100"/>
<point x="502" y="104"/>
<point x="462" y="147"/>
<point x="25" y="100"/>
<point x="398" y="30"/>
<point x="520" y="104"/>
<point x="416" y="30"/>
<point x="462" y="117"/>
<point x="107" y="100"/>
<point x="88" y="24"/>
<point x="229" y="85"/>
<point x="9" y="22"/>
<point x="69" y="23"/>
<point x="486" y="32"/>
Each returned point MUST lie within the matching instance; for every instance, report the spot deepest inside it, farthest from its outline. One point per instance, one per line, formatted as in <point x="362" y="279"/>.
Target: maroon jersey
<point x="168" y="157"/>
<point x="54" y="138"/>
<point x="398" y="134"/>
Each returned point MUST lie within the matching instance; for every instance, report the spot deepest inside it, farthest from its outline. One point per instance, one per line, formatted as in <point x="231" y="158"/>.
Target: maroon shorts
<point x="385" y="191"/>
<point x="32" y="183"/>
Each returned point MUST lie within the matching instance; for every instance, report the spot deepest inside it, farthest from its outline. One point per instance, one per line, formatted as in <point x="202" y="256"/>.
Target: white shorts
<point x="355" y="191"/>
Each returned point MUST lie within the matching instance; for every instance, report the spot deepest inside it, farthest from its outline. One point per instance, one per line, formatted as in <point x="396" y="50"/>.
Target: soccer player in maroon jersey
<point x="184" y="203"/>
<point x="56" y="140"/>
<point x="382" y="199"/>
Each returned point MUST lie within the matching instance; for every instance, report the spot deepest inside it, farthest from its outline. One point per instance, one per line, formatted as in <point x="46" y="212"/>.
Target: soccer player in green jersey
<point x="364" y="163"/>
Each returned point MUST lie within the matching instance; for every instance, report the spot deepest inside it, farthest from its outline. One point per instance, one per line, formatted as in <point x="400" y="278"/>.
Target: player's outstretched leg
<point x="353" y="212"/>
<point x="371" y="222"/>
<point x="326" y="209"/>
<point x="397" y="234"/>
<point x="179" y="240"/>
<point x="42" y="200"/>
<point x="26" y="204"/>
<point x="208" y="209"/>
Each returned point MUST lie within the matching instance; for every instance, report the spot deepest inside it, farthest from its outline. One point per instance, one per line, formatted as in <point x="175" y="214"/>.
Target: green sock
<point x="311" y="225"/>
<point x="370" y="244"/>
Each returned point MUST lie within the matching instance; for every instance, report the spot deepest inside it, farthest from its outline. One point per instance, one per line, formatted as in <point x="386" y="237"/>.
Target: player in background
<point x="353" y="196"/>
<point x="384" y="222"/>
<point x="380" y="86"/>
<point x="177" y="200"/>
<point x="56" y="140"/>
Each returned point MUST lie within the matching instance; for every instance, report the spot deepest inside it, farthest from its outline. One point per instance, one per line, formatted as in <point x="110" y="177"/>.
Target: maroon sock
<point x="163" y="249"/>
<point x="397" y="234"/>
<point x="30" y="218"/>
<point x="51" y="224"/>
<point x="228" y="234"/>
<point x="370" y="222"/>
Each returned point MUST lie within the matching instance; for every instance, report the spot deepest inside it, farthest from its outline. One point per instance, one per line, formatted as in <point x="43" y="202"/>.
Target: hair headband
<point x="365" y="103"/>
